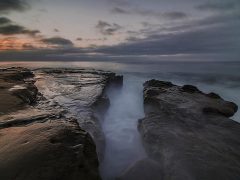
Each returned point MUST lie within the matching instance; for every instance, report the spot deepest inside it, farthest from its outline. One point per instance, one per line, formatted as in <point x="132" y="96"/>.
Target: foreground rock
<point x="16" y="89"/>
<point x="40" y="136"/>
<point x="54" y="149"/>
<point x="189" y="133"/>
<point x="82" y="93"/>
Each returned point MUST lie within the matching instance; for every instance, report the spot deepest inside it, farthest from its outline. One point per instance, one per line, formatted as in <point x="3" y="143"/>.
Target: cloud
<point x="4" y="20"/>
<point x="95" y="39"/>
<point x="119" y="3"/>
<point x="172" y="15"/>
<point x="224" y="5"/>
<point x="118" y="10"/>
<point x="216" y="6"/>
<point x="58" y="41"/>
<point x="56" y="30"/>
<point x="28" y="46"/>
<point x="17" y="5"/>
<point x="79" y="39"/>
<point x="8" y="27"/>
<point x="221" y="38"/>
<point x="16" y="29"/>
<point x="108" y="29"/>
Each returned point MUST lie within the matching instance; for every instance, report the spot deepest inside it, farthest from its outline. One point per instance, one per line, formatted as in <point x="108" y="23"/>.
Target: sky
<point x="119" y="29"/>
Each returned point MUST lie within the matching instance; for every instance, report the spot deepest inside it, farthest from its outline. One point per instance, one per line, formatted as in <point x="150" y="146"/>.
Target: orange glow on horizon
<point x="13" y="43"/>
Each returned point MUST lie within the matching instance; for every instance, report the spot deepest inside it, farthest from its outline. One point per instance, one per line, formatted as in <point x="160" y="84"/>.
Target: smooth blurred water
<point x="123" y="143"/>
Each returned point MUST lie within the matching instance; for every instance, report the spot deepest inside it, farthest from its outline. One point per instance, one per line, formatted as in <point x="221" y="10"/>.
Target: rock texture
<point x="17" y="89"/>
<point x="82" y="93"/>
<point x="40" y="136"/>
<point x="56" y="149"/>
<point x="189" y="133"/>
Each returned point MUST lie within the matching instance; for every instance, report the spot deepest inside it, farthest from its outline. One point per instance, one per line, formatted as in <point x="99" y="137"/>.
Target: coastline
<point x="52" y="116"/>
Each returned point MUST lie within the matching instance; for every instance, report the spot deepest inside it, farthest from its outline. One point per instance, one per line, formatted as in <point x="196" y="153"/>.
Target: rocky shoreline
<point x="40" y="137"/>
<point x="187" y="134"/>
<point x="50" y="128"/>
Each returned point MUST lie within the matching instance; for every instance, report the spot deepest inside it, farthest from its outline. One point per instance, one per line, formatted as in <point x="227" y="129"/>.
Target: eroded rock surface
<point x="17" y="89"/>
<point x="54" y="149"/>
<point x="189" y="133"/>
<point x="40" y="136"/>
<point x="82" y="93"/>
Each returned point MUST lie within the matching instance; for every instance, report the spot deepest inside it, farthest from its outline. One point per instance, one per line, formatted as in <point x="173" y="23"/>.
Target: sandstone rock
<point x="45" y="141"/>
<point x="52" y="150"/>
<point x="17" y="89"/>
<point x="189" y="133"/>
<point x="82" y="92"/>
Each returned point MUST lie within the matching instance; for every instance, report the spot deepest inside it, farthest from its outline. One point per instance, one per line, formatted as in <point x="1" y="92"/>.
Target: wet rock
<point x="17" y="89"/>
<point x="116" y="81"/>
<point x="227" y="109"/>
<point x="45" y="141"/>
<point x="156" y="83"/>
<point x="51" y="150"/>
<point x="15" y="74"/>
<point x="213" y="95"/>
<point x="189" y="133"/>
<point x="190" y="89"/>
<point x="82" y="92"/>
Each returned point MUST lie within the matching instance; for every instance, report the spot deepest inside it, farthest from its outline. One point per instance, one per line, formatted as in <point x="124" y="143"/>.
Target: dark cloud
<point x="118" y="10"/>
<point x="167" y="15"/>
<point x="56" y="30"/>
<point x="58" y="41"/>
<point x="4" y="20"/>
<point x="79" y="39"/>
<point x="16" y="29"/>
<point x="108" y="29"/>
<point x="44" y="54"/>
<point x="201" y="41"/>
<point x="173" y="15"/>
<point x="8" y="27"/>
<point x="217" y="6"/>
<point x="28" y="46"/>
<point x="132" y="38"/>
<point x="8" y="5"/>
<point x="102" y="24"/>
<point x="95" y="39"/>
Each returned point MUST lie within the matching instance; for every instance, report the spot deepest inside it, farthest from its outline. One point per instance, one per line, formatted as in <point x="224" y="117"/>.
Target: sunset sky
<point x="100" y="29"/>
